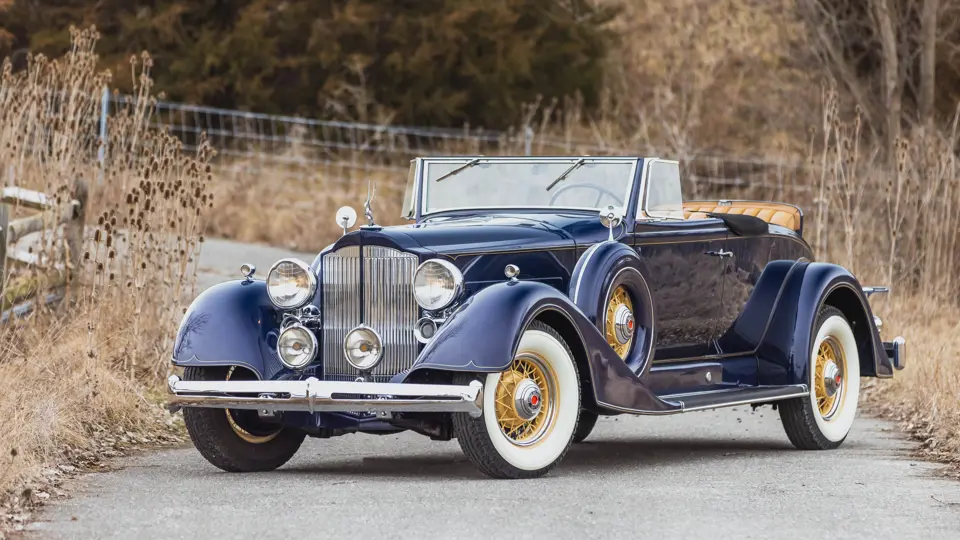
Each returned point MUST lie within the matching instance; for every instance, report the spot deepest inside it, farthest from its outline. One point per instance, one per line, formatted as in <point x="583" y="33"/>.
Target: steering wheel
<point x="602" y="190"/>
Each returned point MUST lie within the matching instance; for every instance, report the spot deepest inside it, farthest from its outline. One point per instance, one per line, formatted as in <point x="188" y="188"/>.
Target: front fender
<point x="784" y="350"/>
<point x="231" y="324"/>
<point x="483" y="334"/>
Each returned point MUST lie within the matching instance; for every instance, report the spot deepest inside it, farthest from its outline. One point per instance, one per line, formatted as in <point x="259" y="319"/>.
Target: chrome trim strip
<point x="588" y="254"/>
<point x="425" y="172"/>
<point x="312" y="395"/>
<point x="796" y="394"/>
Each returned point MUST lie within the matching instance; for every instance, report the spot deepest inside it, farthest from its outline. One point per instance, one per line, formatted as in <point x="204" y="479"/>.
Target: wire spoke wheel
<point x="828" y="377"/>
<point x="515" y="422"/>
<point x="247" y="426"/>
<point x="618" y="321"/>
<point x="822" y="419"/>
<point x="530" y="409"/>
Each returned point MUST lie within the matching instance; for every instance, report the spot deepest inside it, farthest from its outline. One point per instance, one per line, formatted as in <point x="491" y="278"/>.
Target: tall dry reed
<point x="76" y="372"/>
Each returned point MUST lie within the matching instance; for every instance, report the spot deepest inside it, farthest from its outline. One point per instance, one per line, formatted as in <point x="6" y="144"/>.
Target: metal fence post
<point x="4" y="222"/>
<point x="102" y="150"/>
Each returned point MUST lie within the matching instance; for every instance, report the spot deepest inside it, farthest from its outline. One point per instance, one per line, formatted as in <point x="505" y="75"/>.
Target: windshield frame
<point x="422" y="167"/>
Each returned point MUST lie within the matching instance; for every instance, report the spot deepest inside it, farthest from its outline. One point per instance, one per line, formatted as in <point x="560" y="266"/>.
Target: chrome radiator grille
<point x="375" y="288"/>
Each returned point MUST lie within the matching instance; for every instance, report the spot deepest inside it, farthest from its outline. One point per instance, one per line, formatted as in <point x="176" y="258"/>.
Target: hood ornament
<point x="367" y="210"/>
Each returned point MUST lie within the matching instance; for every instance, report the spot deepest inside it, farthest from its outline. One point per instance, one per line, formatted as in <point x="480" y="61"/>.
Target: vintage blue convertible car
<point x="528" y="297"/>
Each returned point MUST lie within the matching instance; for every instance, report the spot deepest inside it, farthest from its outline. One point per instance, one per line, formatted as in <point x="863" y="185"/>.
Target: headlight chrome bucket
<point x="291" y="284"/>
<point x="437" y="284"/>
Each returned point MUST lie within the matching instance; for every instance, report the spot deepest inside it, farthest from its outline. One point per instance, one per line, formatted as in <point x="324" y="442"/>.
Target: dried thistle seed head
<point x="112" y="254"/>
<point x="97" y="236"/>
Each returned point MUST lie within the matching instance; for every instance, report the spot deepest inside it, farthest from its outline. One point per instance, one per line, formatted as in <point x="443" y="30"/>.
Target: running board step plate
<point x="715" y="399"/>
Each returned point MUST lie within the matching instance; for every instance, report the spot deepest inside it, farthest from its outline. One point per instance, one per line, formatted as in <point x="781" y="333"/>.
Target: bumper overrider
<point x="313" y="395"/>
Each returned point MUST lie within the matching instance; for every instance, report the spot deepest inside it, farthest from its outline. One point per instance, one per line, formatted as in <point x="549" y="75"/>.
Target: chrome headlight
<point x="296" y="347"/>
<point x="291" y="284"/>
<point x="362" y="348"/>
<point x="436" y="284"/>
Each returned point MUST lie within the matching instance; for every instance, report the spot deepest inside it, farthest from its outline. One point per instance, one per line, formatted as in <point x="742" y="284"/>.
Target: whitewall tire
<point x="822" y="420"/>
<point x="530" y="411"/>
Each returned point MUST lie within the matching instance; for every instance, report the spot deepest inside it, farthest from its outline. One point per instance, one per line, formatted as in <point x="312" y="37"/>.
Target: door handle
<point x="721" y="253"/>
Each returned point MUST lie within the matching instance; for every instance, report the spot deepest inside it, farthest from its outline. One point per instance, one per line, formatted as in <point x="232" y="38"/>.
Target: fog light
<point x="296" y="347"/>
<point x="424" y="329"/>
<point x="363" y="348"/>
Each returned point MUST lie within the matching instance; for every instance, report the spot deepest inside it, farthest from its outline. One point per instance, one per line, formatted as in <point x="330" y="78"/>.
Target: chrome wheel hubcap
<point x="527" y="400"/>
<point x="623" y="324"/>
<point x="832" y="378"/>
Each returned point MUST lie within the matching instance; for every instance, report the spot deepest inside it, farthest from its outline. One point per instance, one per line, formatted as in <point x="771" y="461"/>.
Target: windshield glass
<point x="587" y="183"/>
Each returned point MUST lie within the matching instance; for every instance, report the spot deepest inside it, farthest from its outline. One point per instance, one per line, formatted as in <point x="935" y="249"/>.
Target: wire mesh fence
<point x="276" y="148"/>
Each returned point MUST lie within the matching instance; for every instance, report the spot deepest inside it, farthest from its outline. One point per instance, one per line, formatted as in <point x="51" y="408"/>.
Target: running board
<point x="746" y="395"/>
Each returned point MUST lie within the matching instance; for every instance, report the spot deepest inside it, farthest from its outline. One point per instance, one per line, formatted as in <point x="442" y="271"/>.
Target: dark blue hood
<point x="491" y="232"/>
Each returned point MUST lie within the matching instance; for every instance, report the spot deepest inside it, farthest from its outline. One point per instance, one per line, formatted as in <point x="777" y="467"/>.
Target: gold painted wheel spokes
<point x="620" y="298"/>
<point x="238" y="419"/>
<point x="516" y="425"/>
<point x="828" y="376"/>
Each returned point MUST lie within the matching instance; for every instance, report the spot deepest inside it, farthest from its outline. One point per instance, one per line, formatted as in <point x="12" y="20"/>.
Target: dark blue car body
<point x="711" y="330"/>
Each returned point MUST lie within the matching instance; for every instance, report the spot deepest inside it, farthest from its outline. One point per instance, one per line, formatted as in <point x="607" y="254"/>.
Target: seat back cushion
<point x="785" y="215"/>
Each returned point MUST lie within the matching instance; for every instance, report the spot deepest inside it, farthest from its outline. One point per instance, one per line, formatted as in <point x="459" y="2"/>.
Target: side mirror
<point x="610" y="217"/>
<point x="346" y="218"/>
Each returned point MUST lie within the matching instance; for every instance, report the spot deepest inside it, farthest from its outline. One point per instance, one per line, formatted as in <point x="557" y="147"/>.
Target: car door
<point x="684" y="259"/>
<point x="684" y="270"/>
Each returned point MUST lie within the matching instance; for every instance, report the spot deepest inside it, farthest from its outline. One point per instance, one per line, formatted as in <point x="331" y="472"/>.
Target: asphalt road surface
<point x="719" y="474"/>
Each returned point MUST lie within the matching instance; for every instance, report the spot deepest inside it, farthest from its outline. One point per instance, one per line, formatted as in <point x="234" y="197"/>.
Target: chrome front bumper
<point x="312" y="395"/>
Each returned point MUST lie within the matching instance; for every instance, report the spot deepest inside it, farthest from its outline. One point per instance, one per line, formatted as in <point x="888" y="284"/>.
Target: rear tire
<point x="588" y="419"/>
<point x="223" y="442"/>
<point x="508" y="442"/>
<point x="821" y="421"/>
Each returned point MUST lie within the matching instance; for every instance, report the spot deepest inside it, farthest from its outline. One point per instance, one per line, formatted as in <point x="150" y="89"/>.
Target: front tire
<point x="822" y="420"/>
<point x="519" y="436"/>
<point x="232" y="440"/>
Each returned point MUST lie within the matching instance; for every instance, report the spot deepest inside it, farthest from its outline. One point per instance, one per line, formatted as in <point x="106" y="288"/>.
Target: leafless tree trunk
<point x="892" y="89"/>
<point x="928" y="61"/>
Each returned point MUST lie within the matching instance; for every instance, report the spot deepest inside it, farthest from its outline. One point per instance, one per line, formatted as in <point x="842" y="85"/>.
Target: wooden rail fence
<point x="66" y="219"/>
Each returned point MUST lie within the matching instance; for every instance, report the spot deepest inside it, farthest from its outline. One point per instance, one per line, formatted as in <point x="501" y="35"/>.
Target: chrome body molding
<point x="312" y="395"/>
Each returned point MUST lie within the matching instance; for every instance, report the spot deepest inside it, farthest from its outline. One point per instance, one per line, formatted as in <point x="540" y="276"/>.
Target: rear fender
<point x="483" y="334"/>
<point x="784" y="350"/>
<point x="231" y="324"/>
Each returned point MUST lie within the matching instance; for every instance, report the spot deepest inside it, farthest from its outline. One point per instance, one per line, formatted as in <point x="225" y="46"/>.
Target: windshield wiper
<point x="456" y="171"/>
<point x="566" y="173"/>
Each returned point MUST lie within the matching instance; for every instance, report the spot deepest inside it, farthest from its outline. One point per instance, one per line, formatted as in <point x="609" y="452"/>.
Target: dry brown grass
<point x="75" y="376"/>
<point x="925" y="397"/>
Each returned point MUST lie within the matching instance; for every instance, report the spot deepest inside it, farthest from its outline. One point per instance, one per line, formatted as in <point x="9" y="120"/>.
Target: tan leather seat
<point x="785" y="215"/>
